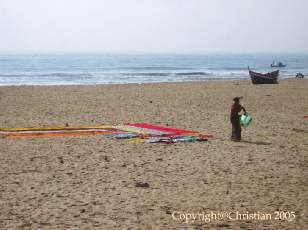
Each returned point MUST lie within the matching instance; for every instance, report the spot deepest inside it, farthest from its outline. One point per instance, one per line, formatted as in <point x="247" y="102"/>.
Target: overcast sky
<point x="171" y="26"/>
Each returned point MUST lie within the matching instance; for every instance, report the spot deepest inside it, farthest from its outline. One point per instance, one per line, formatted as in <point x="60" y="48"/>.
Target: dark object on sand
<point x="260" y="78"/>
<point x="142" y="185"/>
<point x="300" y="130"/>
<point x="299" y="75"/>
<point x="278" y="64"/>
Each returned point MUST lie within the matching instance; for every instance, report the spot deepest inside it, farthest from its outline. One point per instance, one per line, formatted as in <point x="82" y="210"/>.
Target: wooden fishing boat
<point x="260" y="78"/>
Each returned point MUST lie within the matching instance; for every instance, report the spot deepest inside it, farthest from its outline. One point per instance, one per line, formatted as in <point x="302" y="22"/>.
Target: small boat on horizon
<point x="278" y="64"/>
<point x="260" y="78"/>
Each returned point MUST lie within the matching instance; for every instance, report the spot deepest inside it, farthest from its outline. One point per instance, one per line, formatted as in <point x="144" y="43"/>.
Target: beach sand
<point x="90" y="182"/>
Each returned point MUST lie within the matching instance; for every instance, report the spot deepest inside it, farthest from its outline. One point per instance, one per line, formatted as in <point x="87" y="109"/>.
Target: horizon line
<point x="36" y="52"/>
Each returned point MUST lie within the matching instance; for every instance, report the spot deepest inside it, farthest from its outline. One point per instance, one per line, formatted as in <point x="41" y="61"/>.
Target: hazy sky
<point x="181" y="26"/>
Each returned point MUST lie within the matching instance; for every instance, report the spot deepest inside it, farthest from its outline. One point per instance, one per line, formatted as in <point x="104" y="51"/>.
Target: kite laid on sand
<point x="136" y="132"/>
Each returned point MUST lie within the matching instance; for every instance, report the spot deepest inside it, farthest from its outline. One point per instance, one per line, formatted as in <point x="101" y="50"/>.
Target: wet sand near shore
<point x="89" y="182"/>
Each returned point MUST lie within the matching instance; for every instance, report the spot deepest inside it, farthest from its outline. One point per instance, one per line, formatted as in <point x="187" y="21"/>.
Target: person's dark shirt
<point x="235" y="109"/>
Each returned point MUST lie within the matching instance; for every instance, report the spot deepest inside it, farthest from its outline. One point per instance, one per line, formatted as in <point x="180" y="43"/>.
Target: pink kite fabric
<point x="168" y="135"/>
<point x="160" y="128"/>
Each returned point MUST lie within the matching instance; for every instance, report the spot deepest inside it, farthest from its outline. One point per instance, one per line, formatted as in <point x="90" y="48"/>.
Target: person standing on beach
<point x="236" y="108"/>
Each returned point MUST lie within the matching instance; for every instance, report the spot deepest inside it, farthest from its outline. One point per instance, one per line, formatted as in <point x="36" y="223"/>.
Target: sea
<point x="92" y="69"/>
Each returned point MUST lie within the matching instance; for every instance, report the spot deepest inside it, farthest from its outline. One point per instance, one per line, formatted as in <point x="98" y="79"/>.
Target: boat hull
<point x="268" y="78"/>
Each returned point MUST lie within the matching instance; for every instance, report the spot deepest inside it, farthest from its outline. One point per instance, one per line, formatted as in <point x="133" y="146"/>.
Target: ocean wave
<point x="65" y="75"/>
<point x="48" y="75"/>
<point x="155" y="68"/>
<point x="146" y="74"/>
<point x="192" y="73"/>
<point x="228" y="68"/>
<point x="164" y="74"/>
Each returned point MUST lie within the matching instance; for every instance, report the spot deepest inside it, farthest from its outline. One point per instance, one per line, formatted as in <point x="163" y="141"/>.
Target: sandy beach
<point x="90" y="182"/>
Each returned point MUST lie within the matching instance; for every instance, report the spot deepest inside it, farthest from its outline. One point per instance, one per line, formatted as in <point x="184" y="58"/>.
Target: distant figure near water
<point x="236" y="108"/>
<point x="299" y="75"/>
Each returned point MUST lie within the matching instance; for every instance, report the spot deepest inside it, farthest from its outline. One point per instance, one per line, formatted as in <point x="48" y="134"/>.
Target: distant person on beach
<point x="236" y="108"/>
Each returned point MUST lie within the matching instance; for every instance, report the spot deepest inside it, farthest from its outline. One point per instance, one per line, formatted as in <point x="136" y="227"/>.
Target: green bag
<point x="245" y="120"/>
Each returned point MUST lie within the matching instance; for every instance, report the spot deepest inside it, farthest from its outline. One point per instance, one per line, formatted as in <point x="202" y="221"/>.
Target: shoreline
<point x="149" y="83"/>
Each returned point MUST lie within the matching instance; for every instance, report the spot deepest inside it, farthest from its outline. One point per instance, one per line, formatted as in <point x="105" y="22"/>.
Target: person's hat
<point x="237" y="98"/>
